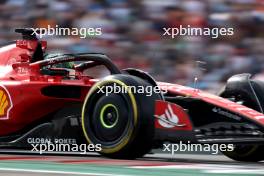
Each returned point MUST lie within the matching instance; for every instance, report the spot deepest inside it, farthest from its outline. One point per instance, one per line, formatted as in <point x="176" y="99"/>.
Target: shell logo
<point x="5" y="103"/>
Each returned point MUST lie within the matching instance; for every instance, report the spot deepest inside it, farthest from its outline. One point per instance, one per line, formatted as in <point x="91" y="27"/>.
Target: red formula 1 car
<point x="52" y="96"/>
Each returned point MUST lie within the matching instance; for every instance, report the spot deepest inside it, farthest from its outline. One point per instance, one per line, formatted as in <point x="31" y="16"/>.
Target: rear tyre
<point x="243" y="152"/>
<point x="122" y="122"/>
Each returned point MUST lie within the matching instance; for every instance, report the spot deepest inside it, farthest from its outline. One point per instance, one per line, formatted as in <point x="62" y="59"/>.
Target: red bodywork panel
<point x="26" y="103"/>
<point x="213" y="99"/>
<point x="21" y="100"/>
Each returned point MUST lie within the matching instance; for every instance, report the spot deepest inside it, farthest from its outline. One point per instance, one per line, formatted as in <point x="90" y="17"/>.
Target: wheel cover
<point x="102" y="129"/>
<point x="109" y="116"/>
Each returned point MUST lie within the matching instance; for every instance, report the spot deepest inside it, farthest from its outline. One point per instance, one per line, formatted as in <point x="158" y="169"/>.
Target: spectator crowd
<point x="132" y="34"/>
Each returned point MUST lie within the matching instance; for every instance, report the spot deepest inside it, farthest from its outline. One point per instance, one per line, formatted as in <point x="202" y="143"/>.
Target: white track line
<point x="58" y="172"/>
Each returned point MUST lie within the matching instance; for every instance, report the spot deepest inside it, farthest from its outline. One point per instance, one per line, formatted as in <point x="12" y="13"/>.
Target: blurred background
<point x="133" y="34"/>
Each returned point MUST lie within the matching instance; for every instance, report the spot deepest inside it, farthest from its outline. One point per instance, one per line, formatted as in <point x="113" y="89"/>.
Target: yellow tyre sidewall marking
<point x="125" y="140"/>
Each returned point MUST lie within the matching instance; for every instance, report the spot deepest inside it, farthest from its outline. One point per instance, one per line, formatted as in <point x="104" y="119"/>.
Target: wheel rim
<point x="109" y="116"/>
<point x="110" y="130"/>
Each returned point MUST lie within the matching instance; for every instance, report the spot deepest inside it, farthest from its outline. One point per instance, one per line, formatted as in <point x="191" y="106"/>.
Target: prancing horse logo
<point x="169" y="119"/>
<point x="5" y="103"/>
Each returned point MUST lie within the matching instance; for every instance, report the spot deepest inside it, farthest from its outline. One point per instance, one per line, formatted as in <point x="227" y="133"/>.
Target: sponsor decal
<point x="169" y="119"/>
<point x="171" y="116"/>
<point x="225" y="113"/>
<point x="49" y="140"/>
<point x="5" y="103"/>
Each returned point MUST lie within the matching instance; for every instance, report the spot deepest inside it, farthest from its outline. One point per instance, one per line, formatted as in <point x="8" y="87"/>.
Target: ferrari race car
<point x="52" y="96"/>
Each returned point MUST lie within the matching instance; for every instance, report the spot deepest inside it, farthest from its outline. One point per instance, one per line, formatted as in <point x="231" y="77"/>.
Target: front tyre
<point x="247" y="153"/>
<point x="120" y="120"/>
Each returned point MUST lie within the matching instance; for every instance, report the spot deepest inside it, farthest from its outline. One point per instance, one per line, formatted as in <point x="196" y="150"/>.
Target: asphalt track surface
<point x="151" y="165"/>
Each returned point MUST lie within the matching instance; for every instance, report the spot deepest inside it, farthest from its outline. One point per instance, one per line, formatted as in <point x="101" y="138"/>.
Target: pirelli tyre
<point x="243" y="152"/>
<point x="119" y="116"/>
